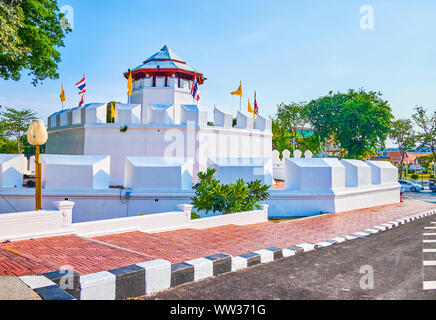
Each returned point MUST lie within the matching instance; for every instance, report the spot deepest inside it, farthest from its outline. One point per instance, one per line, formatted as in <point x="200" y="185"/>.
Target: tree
<point x="281" y="139"/>
<point x="425" y="161"/>
<point x="357" y="121"/>
<point x="28" y="149"/>
<point x="289" y="124"/>
<point x="30" y="34"/>
<point x="7" y="146"/>
<point x="291" y="117"/>
<point x="403" y="135"/>
<point x="427" y="124"/>
<point x="16" y="123"/>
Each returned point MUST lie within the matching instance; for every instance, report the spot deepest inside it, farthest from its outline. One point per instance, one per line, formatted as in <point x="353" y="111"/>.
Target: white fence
<point x="45" y="223"/>
<point x="34" y="224"/>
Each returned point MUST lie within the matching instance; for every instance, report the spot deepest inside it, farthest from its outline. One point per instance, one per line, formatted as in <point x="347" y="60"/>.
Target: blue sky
<point x="287" y="50"/>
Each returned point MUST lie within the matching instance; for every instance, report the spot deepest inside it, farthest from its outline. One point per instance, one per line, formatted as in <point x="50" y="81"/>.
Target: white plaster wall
<point x="193" y="114"/>
<point x="71" y="141"/>
<point x="263" y="123"/>
<point x="128" y="113"/>
<point x="158" y="141"/>
<point x="314" y="174"/>
<point x="244" y="120"/>
<point x="249" y="169"/>
<point x="12" y="167"/>
<point x="94" y="113"/>
<point x="32" y="224"/>
<point x="76" y="115"/>
<point x="52" y="121"/>
<point x="383" y="172"/>
<point x="147" y="223"/>
<point x="75" y="172"/>
<point x="109" y="204"/>
<point x="357" y="173"/>
<point x="63" y="118"/>
<point x="161" y="114"/>
<point x="171" y="95"/>
<point x="91" y="205"/>
<point x="147" y="173"/>
<point x="222" y="118"/>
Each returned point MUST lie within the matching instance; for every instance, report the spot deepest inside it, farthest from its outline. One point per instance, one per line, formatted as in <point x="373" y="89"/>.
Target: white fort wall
<point x="198" y="143"/>
<point x="326" y="191"/>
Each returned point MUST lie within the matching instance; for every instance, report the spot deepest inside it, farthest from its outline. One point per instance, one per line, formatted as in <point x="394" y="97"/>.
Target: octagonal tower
<point x="163" y="81"/>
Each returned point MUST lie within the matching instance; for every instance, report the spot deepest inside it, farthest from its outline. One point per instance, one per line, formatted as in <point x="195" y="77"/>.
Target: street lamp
<point x="37" y="136"/>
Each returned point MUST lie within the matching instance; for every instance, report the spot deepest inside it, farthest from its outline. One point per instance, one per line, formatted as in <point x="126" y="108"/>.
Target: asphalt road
<point x="395" y="256"/>
<point x="425" y="195"/>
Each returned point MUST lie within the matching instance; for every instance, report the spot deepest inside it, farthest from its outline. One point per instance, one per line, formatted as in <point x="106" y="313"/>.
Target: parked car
<point x="410" y="186"/>
<point x="432" y="184"/>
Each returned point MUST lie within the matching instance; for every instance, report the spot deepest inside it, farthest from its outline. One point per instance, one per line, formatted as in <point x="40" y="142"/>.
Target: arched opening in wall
<point x="166" y="81"/>
<point x="154" y="81"/>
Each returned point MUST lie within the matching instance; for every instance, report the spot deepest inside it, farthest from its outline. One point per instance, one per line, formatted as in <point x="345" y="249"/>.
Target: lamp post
<point x="37" y="136"/>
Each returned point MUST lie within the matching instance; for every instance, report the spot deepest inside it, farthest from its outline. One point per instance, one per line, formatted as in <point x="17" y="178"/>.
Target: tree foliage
<point x="15" y="123"/>
<point x="288" y="133"/>
<point x="7" y="146"/>
<point x="426" y="161"/>
<point x="30" y="34"/>
<point x="403" y="135"/>
<point x="427" y="125"/>
<point x="358" y="121"/>
<point x="211" y="196"/>
<point x="27" y="149"/>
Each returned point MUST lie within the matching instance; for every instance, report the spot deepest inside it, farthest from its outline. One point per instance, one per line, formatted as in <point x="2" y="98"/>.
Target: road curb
<point x="153" y="276"/>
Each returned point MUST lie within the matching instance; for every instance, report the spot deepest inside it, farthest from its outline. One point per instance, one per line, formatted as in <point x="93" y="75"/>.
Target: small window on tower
<point x="166" y="81"/>
<point x="179" y="82"/>
<point x="154" y="81"/>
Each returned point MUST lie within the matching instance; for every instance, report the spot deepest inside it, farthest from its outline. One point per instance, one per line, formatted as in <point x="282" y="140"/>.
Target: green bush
<point x="432" y="176"/>
<point x="194" y="215"/>
<point x="414" y="176"/>
<point x="211" y="196"/>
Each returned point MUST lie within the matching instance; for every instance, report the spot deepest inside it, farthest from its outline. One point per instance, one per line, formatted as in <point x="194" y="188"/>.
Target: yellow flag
<point x="62" y="96"/>
<point x="250" y="109"/>
<point x="238" y="92"/>
<point x="130" y="84"/>
<point x="112" y="111"/>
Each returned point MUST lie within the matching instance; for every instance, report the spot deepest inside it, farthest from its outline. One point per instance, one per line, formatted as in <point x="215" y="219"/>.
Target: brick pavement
<point x="37" y="256"/>
<point x="87" y="256"/>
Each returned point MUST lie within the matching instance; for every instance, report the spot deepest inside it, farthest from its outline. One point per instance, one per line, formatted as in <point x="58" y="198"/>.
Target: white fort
<point x="162" y="120"/>
<point x="147" y="158"/>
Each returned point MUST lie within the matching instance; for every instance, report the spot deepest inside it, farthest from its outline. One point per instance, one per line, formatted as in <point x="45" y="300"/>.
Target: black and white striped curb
<point x="429" y="257"/>
<point x="45" y="288"/>
<point x="157" y="275"/>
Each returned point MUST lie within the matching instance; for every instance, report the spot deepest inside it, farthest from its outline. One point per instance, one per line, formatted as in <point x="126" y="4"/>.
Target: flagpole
<point x="240" y="97"/>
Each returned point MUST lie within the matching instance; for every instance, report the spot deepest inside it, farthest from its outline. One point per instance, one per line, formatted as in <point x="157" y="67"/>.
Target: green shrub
<point x="414" y="176"/>
<point x="194" y="215"/>
<point x="211" y="196"/>
<point x="432" y="176"/>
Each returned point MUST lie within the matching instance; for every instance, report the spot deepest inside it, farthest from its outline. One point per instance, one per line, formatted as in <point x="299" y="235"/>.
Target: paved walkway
<point x="108" y="252"/>
<point x="12" y="288"/>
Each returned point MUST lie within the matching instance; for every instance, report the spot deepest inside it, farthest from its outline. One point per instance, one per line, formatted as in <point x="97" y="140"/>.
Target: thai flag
<point x="81" y="85"/>
<point x="256" y="108"/>
<point x="194" y="90"/>
<point x="81" y="102"/>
